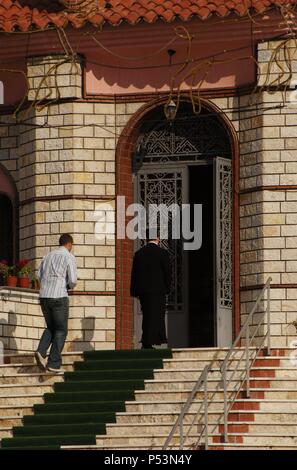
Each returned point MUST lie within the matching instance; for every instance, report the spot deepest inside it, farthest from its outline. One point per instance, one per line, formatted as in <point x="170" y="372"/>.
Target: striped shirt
<point x="57" y="272"/>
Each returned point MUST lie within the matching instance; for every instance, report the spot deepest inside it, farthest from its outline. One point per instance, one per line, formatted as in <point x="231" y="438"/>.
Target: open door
<point x="223" y="250"/>
<point x="158" y="186"/>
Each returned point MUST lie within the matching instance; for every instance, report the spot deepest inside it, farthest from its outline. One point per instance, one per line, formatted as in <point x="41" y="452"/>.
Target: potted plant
<point x="8" y="274"/>
<point x="35" y="283"/>
<point x="23" y="271"/>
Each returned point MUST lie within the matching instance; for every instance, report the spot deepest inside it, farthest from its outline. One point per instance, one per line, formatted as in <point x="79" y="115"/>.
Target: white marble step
<point x="29" y="357"/>
<point x="266" y="439"/>
<point x="269" y="393"/>
<point x="200" y="363"/>
<point x="256" y="416"/>
<point x="114" y="447"/>
<point x="269" y="428"/>
<point x="21" y="399"/>
<point x="181" y="384"/>
<point x="5" y="432"/>
<point x="140" y="440"/>
<point x="256" y="446"/>
<point x="13" y="370"/>
<point x="35" y="378"/>
<point x="148" y="429"/>
<point x="12" y="389"/>
<point x="10" y="421"/>
<point x="15" y="410"/>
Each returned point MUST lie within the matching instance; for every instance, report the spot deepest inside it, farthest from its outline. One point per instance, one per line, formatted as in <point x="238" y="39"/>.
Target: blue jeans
<point x="55" y="312"/>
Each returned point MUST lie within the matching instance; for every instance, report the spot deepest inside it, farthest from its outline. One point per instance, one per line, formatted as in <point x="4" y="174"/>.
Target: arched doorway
<point x="8" y="217"/>
<point x="188" y="161"/>
<point x="192" y="161"/>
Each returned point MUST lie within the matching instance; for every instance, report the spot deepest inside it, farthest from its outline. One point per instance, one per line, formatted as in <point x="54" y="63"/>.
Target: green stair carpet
<point x="89" y="397"/>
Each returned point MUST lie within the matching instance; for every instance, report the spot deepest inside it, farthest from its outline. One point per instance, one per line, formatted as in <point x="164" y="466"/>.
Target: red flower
<point x="22" y="263"/>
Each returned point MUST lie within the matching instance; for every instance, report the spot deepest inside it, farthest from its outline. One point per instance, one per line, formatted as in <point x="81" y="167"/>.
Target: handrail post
<point x="268" y="321"/>
<point x="224" y="372"/>
<point x="206" y="409"/>
<point x="247" y="359"/>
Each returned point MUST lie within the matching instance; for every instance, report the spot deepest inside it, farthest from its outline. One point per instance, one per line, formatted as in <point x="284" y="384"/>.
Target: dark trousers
<point x="153" y="318"/>
<point x="55" y="312"/>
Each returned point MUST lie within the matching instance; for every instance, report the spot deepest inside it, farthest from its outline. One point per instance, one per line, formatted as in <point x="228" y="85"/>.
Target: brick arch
<point x="124" y="187"/>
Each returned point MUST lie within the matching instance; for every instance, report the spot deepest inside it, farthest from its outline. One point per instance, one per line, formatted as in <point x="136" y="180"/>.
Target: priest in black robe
<point x="150" y="282"/>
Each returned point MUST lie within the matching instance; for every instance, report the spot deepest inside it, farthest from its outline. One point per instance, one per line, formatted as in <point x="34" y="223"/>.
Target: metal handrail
<point x="202" y="380"/>
<point x="249" y="356"/>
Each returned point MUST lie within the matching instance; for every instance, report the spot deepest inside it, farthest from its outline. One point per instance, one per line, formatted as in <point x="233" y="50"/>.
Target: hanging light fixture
<point x="170" y="110"/>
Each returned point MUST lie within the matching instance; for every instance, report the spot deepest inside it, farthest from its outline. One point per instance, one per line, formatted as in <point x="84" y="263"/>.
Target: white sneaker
<point x="56" y="371"/>
<point x="41" y="361"/>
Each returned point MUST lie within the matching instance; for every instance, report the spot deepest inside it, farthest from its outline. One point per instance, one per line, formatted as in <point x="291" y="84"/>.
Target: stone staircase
<point x="22" y="385"/>
<point x="267" y="420"/>
<point x="264" y="421"/>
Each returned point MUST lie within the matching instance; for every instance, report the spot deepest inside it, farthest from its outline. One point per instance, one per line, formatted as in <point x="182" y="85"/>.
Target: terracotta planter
<point x="24" y="282"/>
<point x="11" y="281"/>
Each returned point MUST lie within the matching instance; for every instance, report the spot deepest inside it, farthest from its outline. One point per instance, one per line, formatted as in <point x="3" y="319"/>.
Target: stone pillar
<point x="66" y="161"/>
<point x="269" y="193"/>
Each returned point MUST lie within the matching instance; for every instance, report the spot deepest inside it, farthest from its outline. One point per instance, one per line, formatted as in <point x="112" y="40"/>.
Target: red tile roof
<point x="25" y="15"/>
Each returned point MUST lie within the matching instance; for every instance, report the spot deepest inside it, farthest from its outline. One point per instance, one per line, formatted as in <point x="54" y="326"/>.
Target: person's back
<point x="150" y="281"/>
<point x="151" y="271"/>
<point x="57" y="273"/>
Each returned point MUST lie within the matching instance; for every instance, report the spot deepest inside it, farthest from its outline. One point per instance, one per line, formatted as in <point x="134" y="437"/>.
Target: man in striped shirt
<point x="57" y="274"/>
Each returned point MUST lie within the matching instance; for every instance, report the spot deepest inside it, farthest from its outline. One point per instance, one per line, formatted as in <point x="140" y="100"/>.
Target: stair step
<point x="98" y="385"/>
<point x="117" y="365"/>
<point x="121" y="374"/>
<point x="13" y="369"/>
<point x="10" y="421"/>
<point x="29" y="359"/>
<point x="14" y="410"/>
<point x="21" y="399"/>
<point x="47" y="441"/>
<point x="85" y="396"/>
<point x="128" y="354"/>
<point x="79" y="407"/>
<point x="69" y="418"/>
<point x="234" y="446"/>
<point x="9" y="390"/>
<point x="30" y="379"/>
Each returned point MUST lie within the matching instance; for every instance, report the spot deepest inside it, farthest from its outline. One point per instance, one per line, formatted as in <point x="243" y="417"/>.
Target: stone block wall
<point x="268" y="184"/>
<point x="91" y="321"/>
<point x="54" y="77"/>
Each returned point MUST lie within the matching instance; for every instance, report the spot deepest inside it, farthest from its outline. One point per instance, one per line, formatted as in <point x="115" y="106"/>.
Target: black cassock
<point x="150" y="281"/>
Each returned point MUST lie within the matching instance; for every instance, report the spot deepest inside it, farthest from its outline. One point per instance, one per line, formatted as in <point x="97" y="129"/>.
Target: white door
<point x="223" y="250"/>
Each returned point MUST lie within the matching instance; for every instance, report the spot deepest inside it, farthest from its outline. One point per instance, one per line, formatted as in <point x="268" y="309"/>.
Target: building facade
<point x="83" y="121"/>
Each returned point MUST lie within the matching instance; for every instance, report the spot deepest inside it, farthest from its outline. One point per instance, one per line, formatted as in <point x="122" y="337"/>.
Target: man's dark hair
<point x="65" y="238"/>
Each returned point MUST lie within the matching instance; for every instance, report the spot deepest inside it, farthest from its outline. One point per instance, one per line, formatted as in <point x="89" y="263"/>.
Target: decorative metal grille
<point x="166" y="188"/>
<point x="186" y="139"/>
<point x="224" y="231"/>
